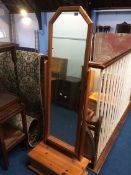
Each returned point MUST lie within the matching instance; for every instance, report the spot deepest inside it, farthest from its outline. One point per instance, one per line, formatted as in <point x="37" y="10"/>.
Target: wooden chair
<point x="99" y="29"/>
<point x="10" y="106"/>
<point x="123" y="28"/>
<point x="107" y="29"/>
<point x="92" y="137"/>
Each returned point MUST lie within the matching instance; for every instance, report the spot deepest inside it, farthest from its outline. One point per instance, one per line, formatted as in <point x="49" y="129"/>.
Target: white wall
<point x="112" y="18"/>
<point x="25" y="29"/>
<point x="4" y="23"/>
<point x="49" y="15"/>
<point x="69" y="41"/>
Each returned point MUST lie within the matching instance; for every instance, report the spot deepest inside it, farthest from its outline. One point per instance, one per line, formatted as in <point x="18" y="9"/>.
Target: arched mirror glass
<point x="69" y="42"/>
<point x="68" y="55"/>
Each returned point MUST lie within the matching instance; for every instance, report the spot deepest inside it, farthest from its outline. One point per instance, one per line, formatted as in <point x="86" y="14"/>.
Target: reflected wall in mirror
<point x="69" y="42"/>
<point x="69" y="48"/>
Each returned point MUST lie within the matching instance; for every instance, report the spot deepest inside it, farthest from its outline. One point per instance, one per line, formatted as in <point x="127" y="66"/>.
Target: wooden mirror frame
<point x="77" y="150"/>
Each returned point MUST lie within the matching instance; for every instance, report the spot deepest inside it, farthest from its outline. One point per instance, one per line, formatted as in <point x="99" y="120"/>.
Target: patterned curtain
<point x="7" y="73"/>
<point x="28" y="67"/>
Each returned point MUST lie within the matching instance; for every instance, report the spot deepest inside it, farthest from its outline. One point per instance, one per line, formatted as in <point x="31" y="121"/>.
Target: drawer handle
<point x="65" y="96"/>
<point x="61" y="94"/>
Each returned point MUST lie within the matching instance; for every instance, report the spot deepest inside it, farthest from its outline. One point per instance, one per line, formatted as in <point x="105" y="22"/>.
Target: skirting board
<point x="112" y="139"/>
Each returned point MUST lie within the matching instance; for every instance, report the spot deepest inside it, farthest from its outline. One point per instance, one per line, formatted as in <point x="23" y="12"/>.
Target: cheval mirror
<point x="67" y="73"/>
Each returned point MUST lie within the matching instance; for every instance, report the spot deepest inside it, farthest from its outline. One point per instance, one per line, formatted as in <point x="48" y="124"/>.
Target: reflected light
<point x="2" y="34"/>
<point x="26" y="20"/>
<point x="23" y="12"/>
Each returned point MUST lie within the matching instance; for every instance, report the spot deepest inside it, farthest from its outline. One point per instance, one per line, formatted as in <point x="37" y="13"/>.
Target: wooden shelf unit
<point x="12" y="136"/>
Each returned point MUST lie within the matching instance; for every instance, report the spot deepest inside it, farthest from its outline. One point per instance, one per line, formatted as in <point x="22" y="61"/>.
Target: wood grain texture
<point x="6" y="46"/>
<point x="44" y="156"/>
<point x="7" y="99"/>
<point x="12" y="136"/>
<point x="105" y="64"/>
<point x="59" y="143"/>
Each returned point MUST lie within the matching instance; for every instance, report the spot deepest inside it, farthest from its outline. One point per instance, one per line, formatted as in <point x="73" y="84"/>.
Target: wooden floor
<point x="45" y="160"/>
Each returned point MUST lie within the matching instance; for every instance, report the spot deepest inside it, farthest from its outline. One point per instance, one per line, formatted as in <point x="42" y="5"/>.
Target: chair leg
<point x="24" y="123"/>
<point x="3" y="150"/>
<point x="93" y="161"/>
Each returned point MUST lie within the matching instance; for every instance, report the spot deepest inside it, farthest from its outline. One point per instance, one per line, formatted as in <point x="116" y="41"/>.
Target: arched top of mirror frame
<point x="48" y="139"/>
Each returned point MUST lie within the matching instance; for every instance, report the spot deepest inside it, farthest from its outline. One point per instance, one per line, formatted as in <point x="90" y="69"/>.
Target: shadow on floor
<point x="18" y="161"/>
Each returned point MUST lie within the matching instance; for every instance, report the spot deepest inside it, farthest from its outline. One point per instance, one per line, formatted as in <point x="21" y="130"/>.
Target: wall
<point x="25" y="29"/>
<point x="112" y="18"/>
<point x="4" y="23"/>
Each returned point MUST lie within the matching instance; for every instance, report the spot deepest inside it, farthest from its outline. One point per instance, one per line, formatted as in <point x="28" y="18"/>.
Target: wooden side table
<point x="10" y="106"/>
<point x="9" y="136"/>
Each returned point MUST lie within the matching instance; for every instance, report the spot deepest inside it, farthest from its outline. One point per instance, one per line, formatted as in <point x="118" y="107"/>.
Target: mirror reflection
<point x="68" y="53"/>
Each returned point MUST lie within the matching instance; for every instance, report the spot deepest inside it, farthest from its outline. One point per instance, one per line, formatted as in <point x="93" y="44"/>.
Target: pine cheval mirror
<point x="67" y="73"/>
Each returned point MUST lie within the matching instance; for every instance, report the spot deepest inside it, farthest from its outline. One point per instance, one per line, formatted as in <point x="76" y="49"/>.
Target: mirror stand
<point x="65" y="95"/>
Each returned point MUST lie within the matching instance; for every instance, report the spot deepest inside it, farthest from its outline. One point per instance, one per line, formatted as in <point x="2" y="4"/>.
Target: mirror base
<point x="45" y="160"/>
